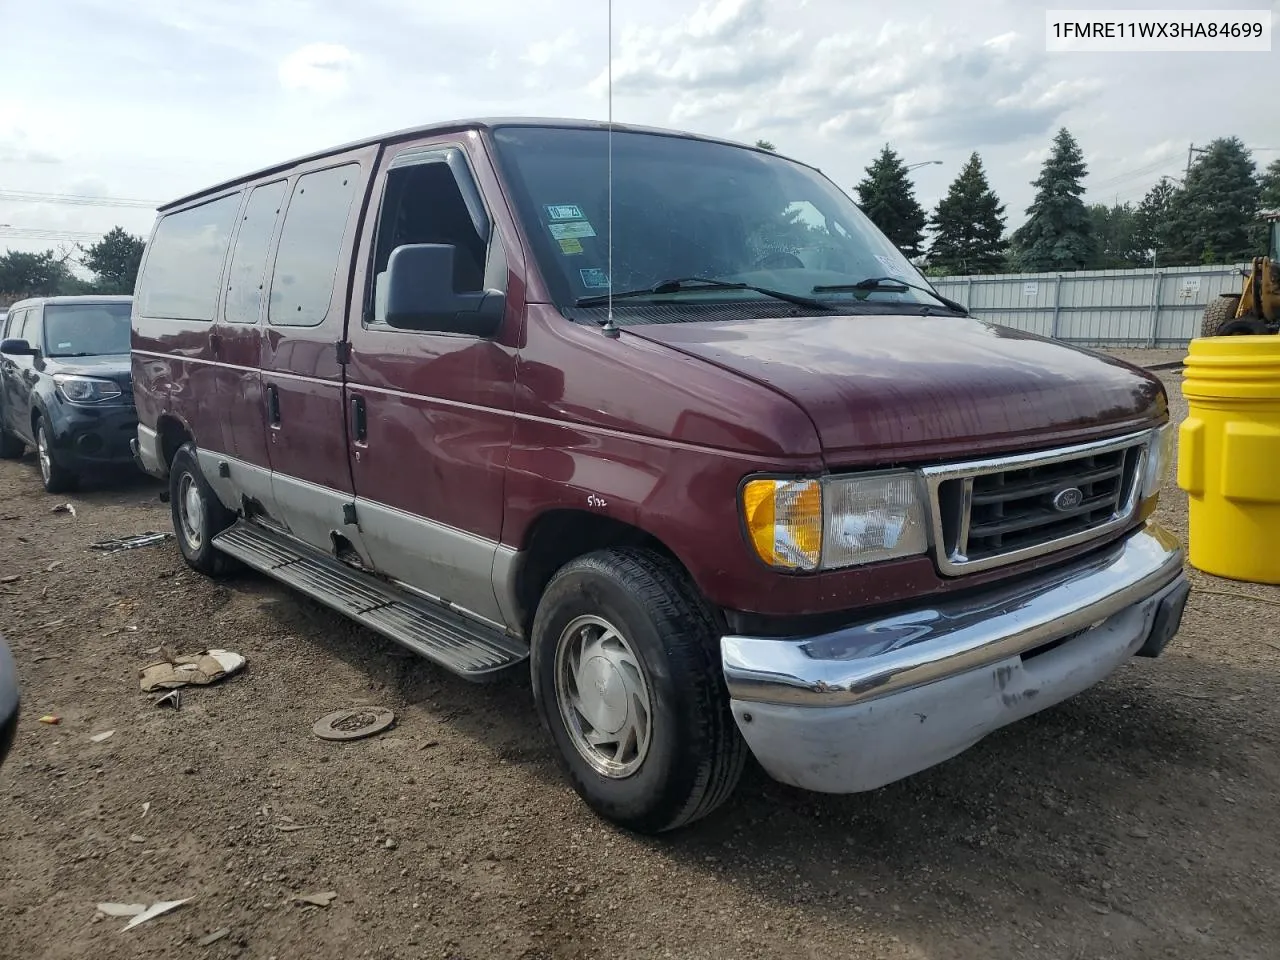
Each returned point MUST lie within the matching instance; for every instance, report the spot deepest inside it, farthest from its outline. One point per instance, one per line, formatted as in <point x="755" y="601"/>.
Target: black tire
<point x="56" y="477"/>
<point x="11" y="448"/>
<point x="695" y="754"/>
<point x="1220" y="319"/>
<point x="208" y="517"/>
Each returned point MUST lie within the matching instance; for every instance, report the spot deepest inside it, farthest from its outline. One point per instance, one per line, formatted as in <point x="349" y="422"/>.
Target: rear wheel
<point x="1220" y="319"/>
<point x="627" y="679"/>
<point x="57" y="478"/>
<point x="198" y="514"/>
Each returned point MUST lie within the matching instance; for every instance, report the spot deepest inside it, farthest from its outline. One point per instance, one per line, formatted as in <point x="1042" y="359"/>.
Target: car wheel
<point x="198" y="514"/>
<point x="627" y="679"/>
<point x="57" y="478"/>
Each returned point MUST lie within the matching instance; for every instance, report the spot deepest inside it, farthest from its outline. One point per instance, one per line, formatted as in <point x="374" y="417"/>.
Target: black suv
<point x="66" y="387"/>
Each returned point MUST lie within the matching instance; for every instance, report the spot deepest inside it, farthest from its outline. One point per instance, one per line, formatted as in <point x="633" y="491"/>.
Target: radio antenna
<point x="610" y="329"/>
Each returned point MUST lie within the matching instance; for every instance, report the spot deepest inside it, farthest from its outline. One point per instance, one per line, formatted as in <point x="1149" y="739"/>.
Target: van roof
<point x="450" y="126"/>
<point x="56" y="301"/>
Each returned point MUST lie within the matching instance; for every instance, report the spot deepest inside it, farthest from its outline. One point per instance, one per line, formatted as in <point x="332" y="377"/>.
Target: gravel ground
<point x="1136" y="821"/>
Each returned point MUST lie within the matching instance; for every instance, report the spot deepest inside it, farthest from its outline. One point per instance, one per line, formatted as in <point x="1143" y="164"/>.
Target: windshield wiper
<point x="892" y="284"/>
<point x="690" y="284"/>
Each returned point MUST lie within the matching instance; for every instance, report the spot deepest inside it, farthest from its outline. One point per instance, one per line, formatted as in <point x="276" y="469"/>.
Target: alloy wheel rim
<point x="603" y="696"/>
<point x="42" y="453"/>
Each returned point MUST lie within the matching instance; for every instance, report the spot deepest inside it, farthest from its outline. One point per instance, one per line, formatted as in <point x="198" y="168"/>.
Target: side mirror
<point x="420" y="294"/>
<point x="17" y="348"/>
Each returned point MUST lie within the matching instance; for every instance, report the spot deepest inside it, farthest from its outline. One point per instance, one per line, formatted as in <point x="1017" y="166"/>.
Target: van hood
<point x="886" y="388"/>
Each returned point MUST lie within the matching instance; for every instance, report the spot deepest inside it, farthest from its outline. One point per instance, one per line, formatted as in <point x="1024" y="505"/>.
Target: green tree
<point x="1058" y="232"/>
<point x="114" y="261"/>
<point x="1269" y="187"/>
<point x="887" y="197"/>
<point x="1151" y="221"/>
<point x="968" y="225"/>
<point x="1116" y="242"/>
<point x="34" y="274"/>
<point x="1213" y="219"/>
<point x="765" y="145"/>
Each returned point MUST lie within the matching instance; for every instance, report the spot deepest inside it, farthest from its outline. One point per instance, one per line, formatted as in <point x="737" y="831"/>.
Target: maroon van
<point x="667" y="417"/>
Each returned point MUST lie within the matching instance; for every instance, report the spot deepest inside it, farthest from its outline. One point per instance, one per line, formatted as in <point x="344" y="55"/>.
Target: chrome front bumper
<point x="874" y="702"/>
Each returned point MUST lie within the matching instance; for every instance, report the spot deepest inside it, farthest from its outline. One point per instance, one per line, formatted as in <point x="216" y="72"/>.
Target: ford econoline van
<point x="667" y="418"/>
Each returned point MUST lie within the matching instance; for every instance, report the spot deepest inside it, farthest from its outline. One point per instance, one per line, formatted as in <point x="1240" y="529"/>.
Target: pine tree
<point x="766" y="145"/>
<point x="1151" y="221"/>
<point x="887" y="197"/>
<point x="968" y="225"/>
<point x="1057" y="234"/>
<point x="1269" y="183"/>
<point x="1214" y="217"/>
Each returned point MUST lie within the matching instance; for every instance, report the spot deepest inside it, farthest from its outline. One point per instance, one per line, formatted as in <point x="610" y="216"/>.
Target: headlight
<point x="1158" y="462"/>
<point x="835" y="522"/>
<point x="86" y="389"/>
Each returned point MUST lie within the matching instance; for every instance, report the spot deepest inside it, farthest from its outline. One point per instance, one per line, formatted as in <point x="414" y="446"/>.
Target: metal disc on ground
<point x="354" y="723"/>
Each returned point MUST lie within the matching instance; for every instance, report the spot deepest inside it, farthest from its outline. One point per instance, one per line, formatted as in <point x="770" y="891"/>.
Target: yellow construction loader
<point x="1257" y="308"/>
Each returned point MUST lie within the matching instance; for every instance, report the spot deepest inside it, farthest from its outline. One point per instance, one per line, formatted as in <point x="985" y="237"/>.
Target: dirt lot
<point x="1137" y="821"/>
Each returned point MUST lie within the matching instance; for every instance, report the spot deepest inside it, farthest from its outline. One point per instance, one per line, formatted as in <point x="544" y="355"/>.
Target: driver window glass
<point x="423" y="204"/>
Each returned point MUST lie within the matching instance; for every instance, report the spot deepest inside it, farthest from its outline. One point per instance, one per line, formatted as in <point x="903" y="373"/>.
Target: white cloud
<point x="323" y="68"/>
<point x="542" y="53"/>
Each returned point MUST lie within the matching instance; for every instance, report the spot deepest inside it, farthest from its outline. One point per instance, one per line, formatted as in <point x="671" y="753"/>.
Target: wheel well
<point x="172" y="436"/>
<point x="562" y="535"/>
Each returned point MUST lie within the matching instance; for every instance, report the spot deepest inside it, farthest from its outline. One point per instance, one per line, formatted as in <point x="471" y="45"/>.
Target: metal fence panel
<point x="1158" y="307"/>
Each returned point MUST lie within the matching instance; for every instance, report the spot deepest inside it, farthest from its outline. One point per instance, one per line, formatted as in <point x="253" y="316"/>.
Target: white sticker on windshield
<point x="593" y="278"/>
<point x="891" y="265"/>
<point x="571" y="231"/>
<point x="564" y="211"/>
<point x="65" y="345"/>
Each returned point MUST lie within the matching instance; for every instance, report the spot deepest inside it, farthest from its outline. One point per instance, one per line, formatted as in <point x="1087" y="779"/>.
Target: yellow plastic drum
<point x="1229" y="456"/>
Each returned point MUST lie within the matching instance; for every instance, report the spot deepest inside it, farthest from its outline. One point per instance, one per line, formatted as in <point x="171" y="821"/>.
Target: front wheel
<point x="198" y="514"/>
<point x="626" y="677"/>
<point x="57" y="478"/>
<point x="1220" y="319"/>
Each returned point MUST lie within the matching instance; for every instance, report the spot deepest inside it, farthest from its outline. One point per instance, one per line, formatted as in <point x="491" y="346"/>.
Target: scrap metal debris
<point x="353" y="724"/>
<point x="214" y="937"/>
<point x="121" y="909"/>
<point x="318" y="899"/>
<point x="171" y="699"/>
<point x="148" y="539"/>
<point x="99" y="737"/>
<point x="155" y="910"/>
<point x="12" y="578"/>
<point x="201" y="669"/>
<point x="64" y="508"/>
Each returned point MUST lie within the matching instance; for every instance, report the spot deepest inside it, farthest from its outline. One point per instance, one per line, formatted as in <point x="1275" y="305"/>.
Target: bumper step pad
<point x="462" y="646"/>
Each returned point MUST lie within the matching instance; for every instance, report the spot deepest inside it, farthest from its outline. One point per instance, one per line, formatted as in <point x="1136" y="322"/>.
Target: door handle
<point x="273" y="405"/>
<point x="215" y="342"/>
<point x="359" y="419"/>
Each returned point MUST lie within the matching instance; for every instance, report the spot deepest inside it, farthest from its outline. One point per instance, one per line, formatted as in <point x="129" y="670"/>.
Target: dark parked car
<point x="65" y="385"/>
<point x="8" y="700"/>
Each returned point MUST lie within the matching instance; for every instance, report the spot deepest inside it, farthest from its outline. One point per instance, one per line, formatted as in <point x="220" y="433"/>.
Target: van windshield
<point x="689" y="208"/>
<point x="86" y="329"/>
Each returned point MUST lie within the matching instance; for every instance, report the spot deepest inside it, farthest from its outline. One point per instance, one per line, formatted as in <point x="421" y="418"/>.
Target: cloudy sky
<point x="148" y="99"/>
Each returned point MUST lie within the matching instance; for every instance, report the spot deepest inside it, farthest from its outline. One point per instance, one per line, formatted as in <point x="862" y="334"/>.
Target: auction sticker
<point x="594" y="278"/>
<point x="569" y="231"/>
<point x="570" y="245"/>
<point x="564" y="211"/>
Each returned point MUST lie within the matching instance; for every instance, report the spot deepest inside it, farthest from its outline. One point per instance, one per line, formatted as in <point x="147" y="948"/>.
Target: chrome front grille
<point x="993" y="512"/>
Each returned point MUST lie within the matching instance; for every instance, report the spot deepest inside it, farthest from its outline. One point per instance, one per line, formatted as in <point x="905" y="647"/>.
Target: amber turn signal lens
<point x="784" y="521"/>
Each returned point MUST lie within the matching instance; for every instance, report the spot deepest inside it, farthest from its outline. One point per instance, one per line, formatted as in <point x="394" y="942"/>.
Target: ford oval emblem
<point x="1068" y="499"/>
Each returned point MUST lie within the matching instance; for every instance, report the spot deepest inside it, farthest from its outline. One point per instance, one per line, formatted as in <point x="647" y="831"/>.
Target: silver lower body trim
<point x="146" y="451"/>
<point x="869" y="704"/>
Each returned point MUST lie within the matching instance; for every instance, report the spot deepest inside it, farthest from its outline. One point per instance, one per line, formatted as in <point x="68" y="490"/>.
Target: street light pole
<point x="923" y="163"/>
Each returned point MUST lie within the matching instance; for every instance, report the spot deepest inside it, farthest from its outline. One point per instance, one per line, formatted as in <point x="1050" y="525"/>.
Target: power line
<point x="29" y="196"/>
<point x="37" y="233"/>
